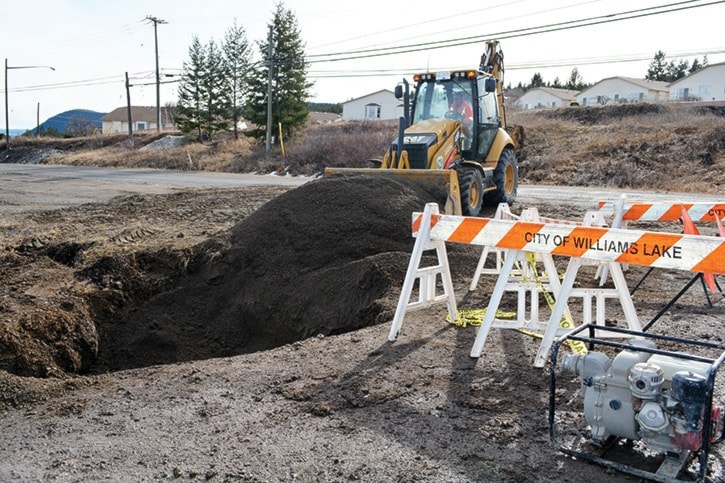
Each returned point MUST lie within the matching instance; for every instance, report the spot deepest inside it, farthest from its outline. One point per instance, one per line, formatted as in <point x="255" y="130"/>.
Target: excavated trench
<point x="325" y="258"/>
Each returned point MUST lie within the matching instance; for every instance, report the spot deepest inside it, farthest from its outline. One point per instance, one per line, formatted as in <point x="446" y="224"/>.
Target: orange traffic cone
<point x="719" y="226"/>
<point x="691" y="229"/>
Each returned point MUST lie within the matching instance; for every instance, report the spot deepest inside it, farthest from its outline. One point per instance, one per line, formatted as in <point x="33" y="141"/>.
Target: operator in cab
<point x="461" y="109"/>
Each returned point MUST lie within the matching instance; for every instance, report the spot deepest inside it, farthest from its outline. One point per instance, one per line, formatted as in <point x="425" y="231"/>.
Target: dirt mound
<point x="29" y="155"/>
<point x="321" y="259"/>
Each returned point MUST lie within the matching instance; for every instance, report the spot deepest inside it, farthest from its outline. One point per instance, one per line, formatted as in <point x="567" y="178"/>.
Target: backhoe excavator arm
<point x="492" y="63"/>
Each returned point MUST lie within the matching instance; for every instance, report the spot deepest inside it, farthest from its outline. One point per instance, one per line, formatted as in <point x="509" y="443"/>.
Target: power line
<point x="478" y="25"/>
<point x="526" y="65"/>
<point x="375" y="52"/>
<point x="79" y="83"/>
<point x="602" y="19"/>
<point x="66" y="43"/>
<point x="418" y="24"/>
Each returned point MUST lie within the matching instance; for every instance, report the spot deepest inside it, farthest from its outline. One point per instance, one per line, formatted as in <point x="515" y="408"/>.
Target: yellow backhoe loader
<point x="454" y="134"/>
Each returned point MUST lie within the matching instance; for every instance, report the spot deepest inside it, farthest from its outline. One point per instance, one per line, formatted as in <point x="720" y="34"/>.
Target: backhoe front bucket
<point x="441" y="183"/>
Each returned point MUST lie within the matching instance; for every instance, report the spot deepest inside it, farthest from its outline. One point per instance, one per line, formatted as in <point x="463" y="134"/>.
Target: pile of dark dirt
<point x="321" y="259"/>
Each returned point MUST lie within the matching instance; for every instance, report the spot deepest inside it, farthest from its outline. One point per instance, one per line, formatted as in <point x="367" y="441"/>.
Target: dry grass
<point x="669" y="149"/>
<point x="638" y="146"/>
<point x="307" y="153"/>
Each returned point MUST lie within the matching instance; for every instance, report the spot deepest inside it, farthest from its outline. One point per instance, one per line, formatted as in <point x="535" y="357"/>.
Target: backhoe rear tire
<point x="470" y="181"/>
<point x="505" y="179"/>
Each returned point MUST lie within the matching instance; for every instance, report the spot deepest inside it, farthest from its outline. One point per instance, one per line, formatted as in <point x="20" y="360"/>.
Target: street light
<point x="7" y="111"/>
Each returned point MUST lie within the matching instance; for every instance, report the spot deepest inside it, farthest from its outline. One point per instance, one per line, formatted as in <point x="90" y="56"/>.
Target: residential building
<point x="380" y="105"/>
<point x="706" y="84"/>
<point x="143" y="118"/>
<point x="546" y="97"/>
<point x="621" y="90"/>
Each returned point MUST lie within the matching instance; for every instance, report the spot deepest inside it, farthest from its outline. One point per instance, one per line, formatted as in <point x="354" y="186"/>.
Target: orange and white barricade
<point x="581" y="243"/>
<point x="663" y="210"/>
<point x="688" y="213"/>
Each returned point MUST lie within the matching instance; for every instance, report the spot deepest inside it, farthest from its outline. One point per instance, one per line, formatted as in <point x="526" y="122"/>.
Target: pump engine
<point x="658" y="399"/>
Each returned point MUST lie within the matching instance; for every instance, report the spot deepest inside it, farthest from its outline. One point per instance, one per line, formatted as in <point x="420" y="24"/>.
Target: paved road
<point x="27" y="187"/>
<point x="582" y="195"/>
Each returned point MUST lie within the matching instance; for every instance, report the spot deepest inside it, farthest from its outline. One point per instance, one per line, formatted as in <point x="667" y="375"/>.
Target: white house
<point x="546" y="97"/>
<point x="379" y="105"/>
<point x="142" y="118"/>
<point x="620" y="90"/>
<point x="706" y="84"/>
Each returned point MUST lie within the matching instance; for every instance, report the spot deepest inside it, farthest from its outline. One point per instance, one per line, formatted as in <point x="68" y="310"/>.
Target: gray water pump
<point x="658" y="399"/>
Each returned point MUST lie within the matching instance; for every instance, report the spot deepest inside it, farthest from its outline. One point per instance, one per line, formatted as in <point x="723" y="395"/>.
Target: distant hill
<point x="68" y="120"/>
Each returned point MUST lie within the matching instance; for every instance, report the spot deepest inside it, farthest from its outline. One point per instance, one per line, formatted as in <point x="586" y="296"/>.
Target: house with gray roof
<point x="142" y="118"/>
<point x="705" y="85"/>
<point x="377" y="106"/>
<point x="622" y="90"/>
<point x="546" y="97"/>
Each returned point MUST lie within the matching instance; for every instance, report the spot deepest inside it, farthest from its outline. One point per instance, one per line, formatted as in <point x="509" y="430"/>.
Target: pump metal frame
<point x="671" y="466"/>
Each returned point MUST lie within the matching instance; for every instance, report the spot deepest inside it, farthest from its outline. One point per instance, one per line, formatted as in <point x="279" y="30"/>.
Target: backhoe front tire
<point x="470" y="181"/>
<point x="505" y="179"/>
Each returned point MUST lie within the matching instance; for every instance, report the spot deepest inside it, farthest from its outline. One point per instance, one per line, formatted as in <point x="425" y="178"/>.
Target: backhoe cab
<point x="453" y="133"/>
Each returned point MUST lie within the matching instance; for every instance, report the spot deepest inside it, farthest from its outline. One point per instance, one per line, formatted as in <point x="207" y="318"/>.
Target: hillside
<point x="71" y="120"/>
<point x="638" y="146"/>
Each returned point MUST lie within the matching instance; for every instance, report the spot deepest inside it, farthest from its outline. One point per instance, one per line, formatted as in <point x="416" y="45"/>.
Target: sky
<point x="92" y="44"/>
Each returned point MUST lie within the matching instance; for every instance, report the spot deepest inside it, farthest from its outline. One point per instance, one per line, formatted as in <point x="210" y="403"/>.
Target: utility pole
<point x="7" y="117"/>
<point x="157" y="21"/>
<point x="128" y="111"/>
<point x="270" y="63"/>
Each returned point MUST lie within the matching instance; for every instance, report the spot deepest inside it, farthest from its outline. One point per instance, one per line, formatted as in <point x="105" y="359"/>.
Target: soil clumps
<point x="318" y="260"/>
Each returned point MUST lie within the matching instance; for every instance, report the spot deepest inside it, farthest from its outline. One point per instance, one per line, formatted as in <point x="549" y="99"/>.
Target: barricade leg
<point x="427" y="277"/>
<point x="562" y="300"/>
<point x="494" y="303"/>
<point x="618" y="222"/>
<point x="561" y="303"/>
<point x="481" y="264"/>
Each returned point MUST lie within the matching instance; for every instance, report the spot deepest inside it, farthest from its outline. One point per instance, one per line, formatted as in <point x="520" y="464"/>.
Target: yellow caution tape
<point x="578" y="347"/>
<point x="474" y="317"/>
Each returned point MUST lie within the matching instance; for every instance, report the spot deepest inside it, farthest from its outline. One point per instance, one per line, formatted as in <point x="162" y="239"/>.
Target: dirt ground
<point x="241" y="334"/>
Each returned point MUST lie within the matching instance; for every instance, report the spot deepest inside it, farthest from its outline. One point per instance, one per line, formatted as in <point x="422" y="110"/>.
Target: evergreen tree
<point x="676" y="70"/>
<point x="202" y="105"/>
<point x="657" y="70"/>
<point x="189" y="113"/>
<point x="536" y="81"/>
<point x="575" y="82"/>
<point x="290" y="88"/>
<point x="661" y="70"/>
<point x="324" y="107"/>
<point x="214" y="102"/>
<point x="237" y="60"/>
<point x="696" y="65"/>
